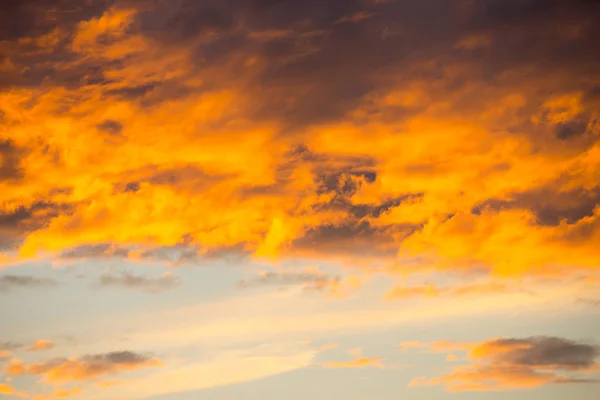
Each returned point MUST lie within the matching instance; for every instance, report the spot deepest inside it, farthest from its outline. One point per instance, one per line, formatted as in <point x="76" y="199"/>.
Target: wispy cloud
<point x="8" y="282"/>
<point x="41" y="344"/>
<point x="361" y="362"/>
<point x="136" y="282"/>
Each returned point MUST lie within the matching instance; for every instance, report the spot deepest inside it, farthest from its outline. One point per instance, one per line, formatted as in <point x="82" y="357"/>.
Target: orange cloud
<point x="41" y="344"/>
<point x="59" y="394"/>
<point x="253" y="150"/>
<point x="507" y="364"/>
<point x="361" y="362"/>
<point x="443" y="346"/>
<point x="84" y="368"/>
<point x="480" y="288"/>
<point x="112" y="22"/>
<point x="329" y="346"/>
<point x="6" y="389"/>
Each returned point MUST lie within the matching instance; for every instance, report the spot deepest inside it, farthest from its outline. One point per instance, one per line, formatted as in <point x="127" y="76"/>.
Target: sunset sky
<point x="299" y="199"/>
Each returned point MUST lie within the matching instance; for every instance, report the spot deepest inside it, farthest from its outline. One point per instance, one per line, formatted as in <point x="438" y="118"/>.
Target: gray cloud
<point x="550" y="204"/>
<point x="10" y="346"/>
<point x="116" y="357"/>
<point x="589" y="302"/>
<point x="23" y="281"/>
<point x="548" y="351"/>
<point x="110" y="126"/>
<point x="102" y="250"/>
<point x="86" y="367"/>
<point x="312" y="280"/>
<point x="10" y="159"/>
<point x="130" y="281"/>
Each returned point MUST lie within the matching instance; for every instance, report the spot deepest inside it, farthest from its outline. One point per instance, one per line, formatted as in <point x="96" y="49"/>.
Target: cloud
<point x="357" y="17"/>
<point x="87" y="367"/>
<point x="41" y="344"/>
<point x="329" y="346"/>
<point x="335" y="157"/>
<point x="6" y="389"/>
<point x="10" y="346"/>
<point x="310" y="279"/>
<point x="130" y="281"/>
<point x="589" y="302"/>
<point x="314" y="280"/>
<point x="467" y="289"/>
<point x="227" y="367"/>
<point x="58" y="393"/>
<point x="508" y="364"/>
<point x="361" y="362"/>
<point x="11" y="281"/>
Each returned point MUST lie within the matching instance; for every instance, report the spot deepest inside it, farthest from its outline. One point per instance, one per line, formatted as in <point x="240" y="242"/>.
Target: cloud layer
<point x="241" y="135"/>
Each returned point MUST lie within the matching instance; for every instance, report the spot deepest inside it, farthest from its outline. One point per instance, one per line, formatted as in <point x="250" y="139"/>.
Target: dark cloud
<point x="19" y="19"/>
<point x="148" y="284"/>
<point x="547" y="351"/>
<point x="22" y="220"/>
<point x="550" y="205"/>
<point x="102" y="250"/>
<point x="317" y="281"/>
<point x="24" y="281"/>
<point x="115" y="357"/>
<point x="183" y="254"/>
<point x="10" y="346"/>
<point x="354" y="239"/>
<point x="508" y="363"/>
<point x="10" y="160"/>
<point x="132" y="92"/>
<point x="132" y="187"/>
<point x="111" y="127"/>
<point x="83" y="368"/>
<point x="571" y="129"/>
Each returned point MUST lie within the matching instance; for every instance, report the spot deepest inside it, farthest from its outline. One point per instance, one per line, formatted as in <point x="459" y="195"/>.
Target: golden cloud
<point x="361" y="362"/>
<point x="80" y="369"/>
<point x="41" y="344"/>
<point x="153" y="135"/>
<point x="507" y="364"/>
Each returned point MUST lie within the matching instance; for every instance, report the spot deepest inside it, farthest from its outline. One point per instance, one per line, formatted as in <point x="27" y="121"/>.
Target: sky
<point x="266" y="199"/>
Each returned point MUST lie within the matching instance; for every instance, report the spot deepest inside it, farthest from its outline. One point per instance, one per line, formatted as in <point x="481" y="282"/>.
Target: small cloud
<point x="473" y="289"/>
<point x="506" y="363"/>
<point x="10" y="281"/>
<point x="59" y="393"/>
<point x="41" y="344"/>
<point x="356" y="352"/>
<point x="110" y="126"/>
<point x="310" y="279"/>
<point x="589" y="302"/>
<point x="148" y="284"/>
<point x="64" y="370"/>
<point x="356" y="17"/>
<point x="329" y="346"/>
<point x="6" y="389"/>
<point x="363" y="362"/>
<point x="473" y="42"/>
<point x="10" y="346"/>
